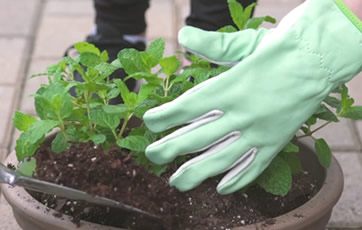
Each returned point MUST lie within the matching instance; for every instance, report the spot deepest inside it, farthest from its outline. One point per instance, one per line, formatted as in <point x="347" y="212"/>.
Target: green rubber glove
<point x="242" y="118"/>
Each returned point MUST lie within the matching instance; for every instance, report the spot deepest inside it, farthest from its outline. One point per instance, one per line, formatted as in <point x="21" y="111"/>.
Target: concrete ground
<point x="35" y="33"/>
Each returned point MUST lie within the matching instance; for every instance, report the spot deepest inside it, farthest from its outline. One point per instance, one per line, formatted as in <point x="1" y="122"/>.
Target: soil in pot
<point x="113" y="173"/>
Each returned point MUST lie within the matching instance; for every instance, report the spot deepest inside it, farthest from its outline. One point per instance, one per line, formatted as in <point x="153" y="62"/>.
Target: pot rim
<point x="308" y="213"/>
<point x="324" y="199"/>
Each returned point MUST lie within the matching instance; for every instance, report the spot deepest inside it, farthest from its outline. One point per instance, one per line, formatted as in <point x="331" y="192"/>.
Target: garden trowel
<point x="16" y="178"/>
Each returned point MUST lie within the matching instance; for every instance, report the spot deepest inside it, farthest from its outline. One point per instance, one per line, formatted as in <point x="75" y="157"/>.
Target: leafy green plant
<point x="89" y="116"/>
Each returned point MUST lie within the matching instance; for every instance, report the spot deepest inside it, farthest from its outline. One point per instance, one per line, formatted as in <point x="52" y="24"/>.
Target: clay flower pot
<point x="313" y="215"/>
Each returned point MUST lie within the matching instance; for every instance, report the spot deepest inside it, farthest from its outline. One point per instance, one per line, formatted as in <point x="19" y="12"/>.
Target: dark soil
<point x="113" y="174"/>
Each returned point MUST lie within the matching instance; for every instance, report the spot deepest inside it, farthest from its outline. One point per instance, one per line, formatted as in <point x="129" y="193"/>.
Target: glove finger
<point x="240" y="176"/>
<point x="220" y="48"/>
<point x="195" y="137"/>
<point x="212" y="162"/>
<point x="182" y="110"/>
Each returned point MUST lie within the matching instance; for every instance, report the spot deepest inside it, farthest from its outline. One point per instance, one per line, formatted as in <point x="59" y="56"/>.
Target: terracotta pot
<point x="313" y="215"/>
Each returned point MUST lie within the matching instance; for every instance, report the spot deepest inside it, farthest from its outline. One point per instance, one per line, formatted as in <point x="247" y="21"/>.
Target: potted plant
<point x="95" y="149"/>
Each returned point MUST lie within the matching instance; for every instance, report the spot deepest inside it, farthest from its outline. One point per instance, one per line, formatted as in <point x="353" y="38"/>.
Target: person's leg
<point x="119" y="24"/>
<point x="211" y="14"/>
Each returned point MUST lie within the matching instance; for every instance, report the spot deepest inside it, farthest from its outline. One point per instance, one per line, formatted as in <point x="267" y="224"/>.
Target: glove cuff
<point x="349" y="14"/>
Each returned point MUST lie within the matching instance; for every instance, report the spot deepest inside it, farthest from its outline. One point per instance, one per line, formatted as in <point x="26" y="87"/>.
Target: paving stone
<point x="7" y="219"/>
<point x="348" y="211"/>
<point x="71" y="8"/>
<point x="160" y="20"/>
<point x="359" y="129"/>
<point x="57" y="33"/>
<point x="33" y="84"/>
<point x="340" y="136"/>
<point x="6" y="100"/>
<point x="16" y="135"/>
<point x="17" y="16"/>
<point x="354" y="87"/>
<point x="3" y="154"/>
<point x="11" y="58"/>
<point x="277" y="9"/>
<point x="183" y="12"/>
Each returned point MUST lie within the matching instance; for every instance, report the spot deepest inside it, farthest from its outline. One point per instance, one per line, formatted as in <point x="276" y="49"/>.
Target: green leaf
<point x="105" y="69"/>
<point x="43" y="108"/>
<point x="92" y="86"/>
<point x="323" y="152"/>
<point x="346" y="101"/>
<point x="89" y="59"/>
<point x="254" y="23"/>
<point x="338" y="89"/>
<point x="75" y="134"/>
<point x="62" y="104"/>
<point x="107" y="120"/>
<point x="104" y="56"/>
<point x="138" y="131"/>
<point x="276" y="178"/>
<point x="98" y="139"/>
<point x="354" y="112"/>
<point x="152" y="137"/>
<point x="141" y="159"/>
<point x="170" y="65"/>
<point x="327" y="115"/>
<point x="74" y="66"/>
<point x="59" y="144"/>
<point x="311" y="121"/>
<point x="53" y="101"/>
<point x="113" y="93"/>
<point x="115" y="109"/>
<point x="333" y="102"/>
<point x="149" y="77"/>
<point x="122" y="88"/>
<point x="155" y="51"/>
<point x="158" y="170"/>
<point x="27" y="167"/>
<point x="290" y="148"/>
<point x="39" y="75"/>
<point x="176" y="90"/>
<point x="236" y="11"/>
<point x="56" y="70"/>
<point x="134" y="143"/>
<point x="128" y="97"/>
<point x="85" y="47"/>
<point x="131" y="61"/>
<point x="306" y="130"/>
<point x="293" y="162"/>
<point x="145" y="105"/>
<point x="23" y="121"/>
<point x="29" y="141"/>
<point x="248" y="11"/>
<point x="145" y="91"/>
<point x="227" y="29"/>
<point x="160" y="99"/>
<point x="116" y="63"/>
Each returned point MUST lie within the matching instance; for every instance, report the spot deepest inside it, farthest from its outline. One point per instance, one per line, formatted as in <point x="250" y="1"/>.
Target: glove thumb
<point x="220" y="47"/>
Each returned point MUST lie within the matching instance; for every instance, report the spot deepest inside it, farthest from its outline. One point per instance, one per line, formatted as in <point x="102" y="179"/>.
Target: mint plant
<point x="89" y="117"/>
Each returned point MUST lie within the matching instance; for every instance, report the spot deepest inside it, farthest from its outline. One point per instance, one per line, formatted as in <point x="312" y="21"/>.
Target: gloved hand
<point x="242" y="118"/>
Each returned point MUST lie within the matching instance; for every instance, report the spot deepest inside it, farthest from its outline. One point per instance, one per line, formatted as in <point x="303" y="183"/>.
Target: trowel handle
<point x="7" y="175"/>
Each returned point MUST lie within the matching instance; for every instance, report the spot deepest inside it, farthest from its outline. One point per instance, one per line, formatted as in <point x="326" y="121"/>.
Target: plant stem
<point x="315" y="130"/>
<point x="165" y="87"/>
<point x="114" y="134"/>
<point x="124" y="125"/>
<point x="62" y="127"/>
<point x="88" y="109"/>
